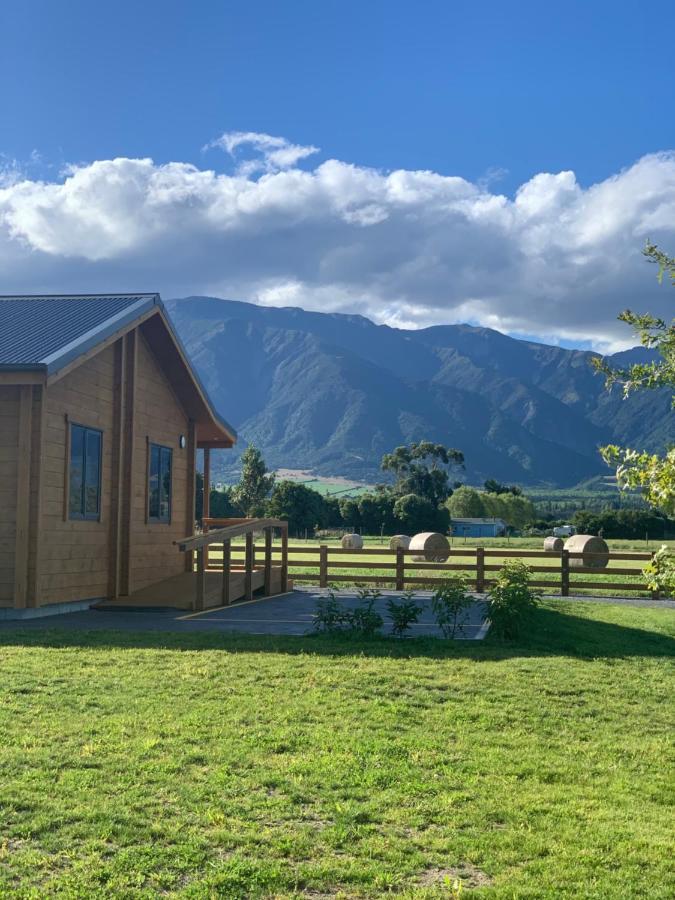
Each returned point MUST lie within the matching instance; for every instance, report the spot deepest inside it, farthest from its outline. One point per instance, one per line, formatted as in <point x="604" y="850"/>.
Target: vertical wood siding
<point x="9" y="424"/>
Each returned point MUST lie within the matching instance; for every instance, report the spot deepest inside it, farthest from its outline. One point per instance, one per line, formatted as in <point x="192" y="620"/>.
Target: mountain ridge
<point x="331" y="393"/>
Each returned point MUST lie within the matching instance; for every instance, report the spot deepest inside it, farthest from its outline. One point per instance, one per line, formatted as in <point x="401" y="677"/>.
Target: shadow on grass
<point x="553" y="632"/>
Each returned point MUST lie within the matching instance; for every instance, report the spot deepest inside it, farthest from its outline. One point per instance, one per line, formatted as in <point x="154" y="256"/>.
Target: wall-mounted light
<point x="182" y="442"/>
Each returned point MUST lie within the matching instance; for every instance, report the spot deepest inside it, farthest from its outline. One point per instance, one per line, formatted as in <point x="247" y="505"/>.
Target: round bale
<point x="351" y="542"/>
<point x="399" y="540"/>
<point x="554" y="544"/>
<point x="432" y="546"/>
<point x="589" y="546"/>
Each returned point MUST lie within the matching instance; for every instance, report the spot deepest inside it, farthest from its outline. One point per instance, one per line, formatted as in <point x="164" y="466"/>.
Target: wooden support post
<point x="201" y="580"/>
<point x="565" y="573"/>
<point x="128" y="465"/>
<point x="323" y="566"/>
<point x="248" y="575"/>
<point x="22" y="521"/>
<point x="655" y="594"/>
<point x="400" y="569"/>
<point x="206" y="497"/>
<point x="480" y="570"/>
<point x="227" y="558"/>
<point x="284" y="558"/>
<point x="268" y="561"/>
<point x="191" y="487"/>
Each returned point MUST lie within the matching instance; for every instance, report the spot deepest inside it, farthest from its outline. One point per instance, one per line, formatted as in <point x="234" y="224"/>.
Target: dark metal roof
<point x="46" y="331"/>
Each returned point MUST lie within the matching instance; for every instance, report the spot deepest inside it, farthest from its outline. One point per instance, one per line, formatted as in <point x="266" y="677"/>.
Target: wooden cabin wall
<point x="74" y="555"/>
<point x="9" y="425"/>
<point x="159" y="419"/>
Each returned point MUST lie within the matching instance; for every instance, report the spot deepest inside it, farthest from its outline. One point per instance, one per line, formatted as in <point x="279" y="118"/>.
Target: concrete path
<point x="287" y="614"/>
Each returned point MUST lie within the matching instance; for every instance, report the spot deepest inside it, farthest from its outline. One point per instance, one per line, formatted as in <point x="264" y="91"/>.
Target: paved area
<point x="287" y="614"/>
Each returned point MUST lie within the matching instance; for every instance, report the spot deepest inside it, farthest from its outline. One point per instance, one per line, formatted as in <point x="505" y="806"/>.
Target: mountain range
<point x="331" y="393"/>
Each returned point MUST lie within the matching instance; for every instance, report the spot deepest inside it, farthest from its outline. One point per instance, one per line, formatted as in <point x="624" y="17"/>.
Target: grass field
<point x="309" y="575"/>
<point x="212" y="766"/>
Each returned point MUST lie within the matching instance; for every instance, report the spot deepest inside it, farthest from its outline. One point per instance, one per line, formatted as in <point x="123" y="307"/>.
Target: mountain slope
<point x="333" y="393"/>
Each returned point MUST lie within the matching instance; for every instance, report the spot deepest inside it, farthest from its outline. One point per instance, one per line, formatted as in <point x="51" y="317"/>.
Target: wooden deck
<point x="179" y="591"/>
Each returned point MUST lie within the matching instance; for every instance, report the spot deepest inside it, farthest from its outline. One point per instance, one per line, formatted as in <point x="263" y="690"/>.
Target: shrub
<point x="448" y="604"/>
<point x="512" y="600"/>
<point x="330" y="615"/>
<point x="364" y="618"/>
<point x="403" y="613"/>
<point x="660" y="572"/>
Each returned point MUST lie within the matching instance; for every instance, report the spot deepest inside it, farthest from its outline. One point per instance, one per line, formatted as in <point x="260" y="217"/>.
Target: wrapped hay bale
<point x="399" y="540"/>
<point x="351" y="542"/>
<point x="554" y="544"/>
<point x="589" y="546"/>
<point x="433" y="547"/>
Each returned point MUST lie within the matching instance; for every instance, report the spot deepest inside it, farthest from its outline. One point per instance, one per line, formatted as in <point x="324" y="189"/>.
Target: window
<point x="159" y="484"/>
<point x="84" y="486"/>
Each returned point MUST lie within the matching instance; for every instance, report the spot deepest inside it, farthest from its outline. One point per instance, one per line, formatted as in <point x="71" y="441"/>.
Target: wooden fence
<point x="400" y="571"/>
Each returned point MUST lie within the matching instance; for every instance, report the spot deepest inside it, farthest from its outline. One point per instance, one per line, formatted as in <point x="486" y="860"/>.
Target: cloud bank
<point x="409" y="248"/>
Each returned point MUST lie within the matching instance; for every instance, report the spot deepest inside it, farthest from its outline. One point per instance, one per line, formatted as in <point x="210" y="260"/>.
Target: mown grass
<point x="241" y="766"/>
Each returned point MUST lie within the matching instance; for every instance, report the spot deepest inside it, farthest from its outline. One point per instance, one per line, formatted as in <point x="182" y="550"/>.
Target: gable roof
<point x="47" y="332"/>
<point x="480" y="521"/>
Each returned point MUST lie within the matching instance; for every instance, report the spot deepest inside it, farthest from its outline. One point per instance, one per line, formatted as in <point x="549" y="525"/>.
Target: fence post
<point x="201" y="580"/>
<point x="323" y="566"/>
<point x="400" y="569"/>
<point x="268" y="561"/>
<point x="284" y="558"/>
<point x="227" y="557"/>
<point x="480" y="570"/>
<point x="565" y="573"/>
<point x="248" y="574"/>
<point x="655" y="594"/>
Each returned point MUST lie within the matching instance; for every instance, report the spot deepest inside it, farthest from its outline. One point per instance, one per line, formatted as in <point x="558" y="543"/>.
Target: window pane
<point x="153" y="484"/>
<point x="92" y="470"/>
<point x="165" y="490"/>
<point x="76" y="475"/>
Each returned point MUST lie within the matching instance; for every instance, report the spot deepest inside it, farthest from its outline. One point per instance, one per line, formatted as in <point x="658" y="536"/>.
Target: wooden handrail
<point x="218" y="535"/>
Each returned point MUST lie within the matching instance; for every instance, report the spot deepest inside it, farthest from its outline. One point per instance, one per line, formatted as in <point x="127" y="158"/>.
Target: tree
<point x="255" y="483"/>
<point x="302" y="507"/>
<point x="492" y="486"/>
<point x="653" y="473"/>
<point x="466" y="503"/>
<point x="375" y="511"/>
<point x="423" y="468"/>
<point x="415" y="513"/>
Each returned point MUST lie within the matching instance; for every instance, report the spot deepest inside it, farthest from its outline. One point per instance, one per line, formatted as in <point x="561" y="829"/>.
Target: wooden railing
<point x="400" y="571"/>
<point x="222" y="532"/>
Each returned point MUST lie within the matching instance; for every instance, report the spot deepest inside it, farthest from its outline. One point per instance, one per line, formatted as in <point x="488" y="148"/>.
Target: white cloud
<point x="406" y="247"/>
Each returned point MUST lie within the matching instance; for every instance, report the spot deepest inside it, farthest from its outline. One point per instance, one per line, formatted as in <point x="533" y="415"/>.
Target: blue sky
<point x="494" y="93"/>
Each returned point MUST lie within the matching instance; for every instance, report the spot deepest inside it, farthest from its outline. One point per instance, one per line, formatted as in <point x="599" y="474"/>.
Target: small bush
<point x="403" y="613"/>
<point x="448" y="604"/>
<point x="660" y="572"/>
<point x="330" y="615"/>
<point x="512" y="600"/>
<point x="364" y="618"/>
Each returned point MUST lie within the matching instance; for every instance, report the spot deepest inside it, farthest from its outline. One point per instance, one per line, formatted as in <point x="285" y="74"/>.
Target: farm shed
<point x="101" y="415"/>
<point x="478" y="527"/>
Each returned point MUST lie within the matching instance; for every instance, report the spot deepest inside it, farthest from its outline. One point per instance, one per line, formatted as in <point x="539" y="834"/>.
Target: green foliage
<point x="512" y="600"/>
<point x="302" y="507"/>
<point x="255" y="483"/>
<point x="660" y="572"/>
<point x="365" y="619"/>
<point x="466" y="503"/>
<point x="638" y="468"/>
<point x="423" y="468"/>
<point x="330" y="615"/>
<point x="449" y="602"/>
<point x="415" y="513"/>
<point x="376" y="512"/>
<point x="403" y="613"/>
<point x="624" y="523"/>
<point x="492" y="486"/>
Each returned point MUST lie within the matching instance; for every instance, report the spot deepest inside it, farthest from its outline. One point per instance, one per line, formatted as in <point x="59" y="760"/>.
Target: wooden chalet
<point x="101" y="416"/>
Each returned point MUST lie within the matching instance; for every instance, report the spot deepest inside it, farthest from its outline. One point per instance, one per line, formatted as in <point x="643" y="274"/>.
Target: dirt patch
<point x="468" y="874"/>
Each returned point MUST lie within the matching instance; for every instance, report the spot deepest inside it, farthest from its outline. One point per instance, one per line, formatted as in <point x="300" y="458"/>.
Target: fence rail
<point x="398" y="569"/>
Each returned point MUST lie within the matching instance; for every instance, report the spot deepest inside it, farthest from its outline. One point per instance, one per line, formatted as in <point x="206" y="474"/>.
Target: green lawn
<point x="216" y="766"/>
